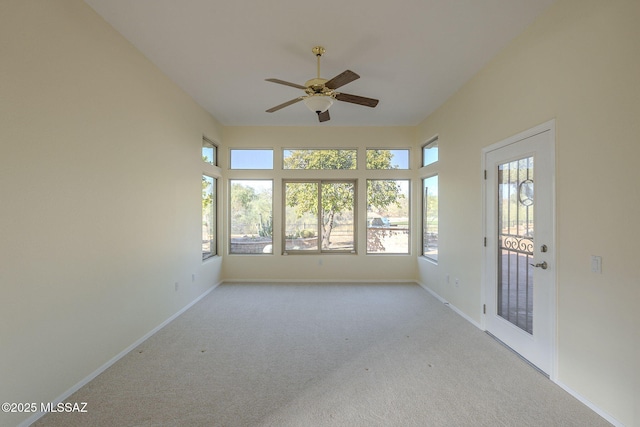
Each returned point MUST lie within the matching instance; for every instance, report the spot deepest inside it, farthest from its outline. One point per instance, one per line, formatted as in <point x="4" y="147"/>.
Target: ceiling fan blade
<point x="355" y="99"/>
<point x="282" y="82"/>
<point x="284" y="104"/>
<point x="323" y="117"/>
<point x="342" y="79"/>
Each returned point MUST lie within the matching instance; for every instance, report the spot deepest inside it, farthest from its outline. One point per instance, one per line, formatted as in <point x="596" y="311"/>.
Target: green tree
<point x="250" y="210"/>
<point x="320" y="159"/>
<point x="379" y="159"/>
<point x="382" y="193"/>
<point x="207" y="192"/>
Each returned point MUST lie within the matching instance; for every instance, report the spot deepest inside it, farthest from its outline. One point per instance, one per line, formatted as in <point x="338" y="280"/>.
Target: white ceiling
<point x="411" y="54"/>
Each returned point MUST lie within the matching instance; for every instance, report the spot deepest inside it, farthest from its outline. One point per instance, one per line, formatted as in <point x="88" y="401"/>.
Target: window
<point x="251" y="159"/>
<point x="430" y="152"/>
<point x="388" y="216"/>
<point x="320" y="159"/>
<point x="430" y="217"/>
<point x="251" y="217"/>
<point x="209" y="152"/>
<point x="209" y="229"/>
<point x="387" y="159"/>
<point x="319" y="216"/>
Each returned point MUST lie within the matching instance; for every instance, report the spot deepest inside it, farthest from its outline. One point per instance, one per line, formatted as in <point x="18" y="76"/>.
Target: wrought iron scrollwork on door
<point x="519" y="244"/>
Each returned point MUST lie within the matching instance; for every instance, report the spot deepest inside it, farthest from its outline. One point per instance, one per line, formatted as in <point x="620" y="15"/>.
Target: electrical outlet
<point x="193" y="277"/>
<point x="177" y="286"/>
<point x="596" y="264"/>
<point x="457" y="282"/>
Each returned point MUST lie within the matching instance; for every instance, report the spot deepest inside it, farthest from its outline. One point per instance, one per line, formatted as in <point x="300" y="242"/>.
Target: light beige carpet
<point x="322" y="355"/>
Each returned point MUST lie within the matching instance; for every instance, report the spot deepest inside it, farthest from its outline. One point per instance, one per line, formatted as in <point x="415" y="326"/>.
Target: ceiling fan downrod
<point x="318" y="51"/>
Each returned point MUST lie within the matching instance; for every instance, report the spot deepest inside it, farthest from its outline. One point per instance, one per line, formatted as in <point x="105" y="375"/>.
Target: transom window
<point x="387" y="159"/>
<point x="320" y="159"/>
<point x="430" y="152"/>
<point x="209" y="152"/>
<point x="251" y="159"/>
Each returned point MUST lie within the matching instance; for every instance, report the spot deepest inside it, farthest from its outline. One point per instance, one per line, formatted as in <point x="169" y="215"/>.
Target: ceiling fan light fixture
<point x="318" y="103"/>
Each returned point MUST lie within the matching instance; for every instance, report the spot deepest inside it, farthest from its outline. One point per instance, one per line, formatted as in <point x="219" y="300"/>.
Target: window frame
<point x="424" y="226"/>
<point x="213" y="234"/>
<point x="214" y="147"/>
<point x="425" y="146"/>
<point x="319" y="232"/>
<point x="409" y="229"/>
<point x="230" y="182"/>
<point x="212" y="170"/>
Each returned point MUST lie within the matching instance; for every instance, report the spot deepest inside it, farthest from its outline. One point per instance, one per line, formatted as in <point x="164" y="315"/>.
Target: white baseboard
<point x="589" y="404"/>
<point x="319" y="281"/>
<point x="61" y="398"/>
<point x="451" y="306"/>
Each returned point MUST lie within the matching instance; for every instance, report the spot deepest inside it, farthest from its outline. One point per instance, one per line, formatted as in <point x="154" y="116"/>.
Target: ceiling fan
<point x="320" y="92"/>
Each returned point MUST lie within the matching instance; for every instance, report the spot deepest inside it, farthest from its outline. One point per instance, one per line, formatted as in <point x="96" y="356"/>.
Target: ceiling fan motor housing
<point x="317" y="85"/>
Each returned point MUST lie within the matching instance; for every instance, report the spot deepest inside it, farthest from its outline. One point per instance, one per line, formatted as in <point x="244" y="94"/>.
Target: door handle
<point x="543" y="265"/>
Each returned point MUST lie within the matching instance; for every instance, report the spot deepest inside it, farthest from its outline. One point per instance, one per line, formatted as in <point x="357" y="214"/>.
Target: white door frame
<point x="544" y="127"/>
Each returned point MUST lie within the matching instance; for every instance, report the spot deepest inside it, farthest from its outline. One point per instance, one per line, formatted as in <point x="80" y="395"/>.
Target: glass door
<point x="519" y="278"/>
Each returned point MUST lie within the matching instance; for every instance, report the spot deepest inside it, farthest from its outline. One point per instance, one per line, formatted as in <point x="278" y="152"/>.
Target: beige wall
<point x="580" y="64"/>
<point x="325" y="267"/>
<point x="100" y="175"/>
